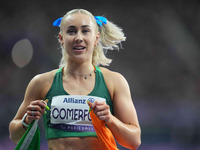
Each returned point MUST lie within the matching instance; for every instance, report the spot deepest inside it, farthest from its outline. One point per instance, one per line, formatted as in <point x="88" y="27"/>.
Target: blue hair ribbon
<point x="57" y="22"/>
<point x="99" y="19"/>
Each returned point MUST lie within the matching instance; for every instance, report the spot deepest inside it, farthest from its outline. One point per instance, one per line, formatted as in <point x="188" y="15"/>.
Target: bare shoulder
<point x="114" y="81"/>
<point x="112" y="75"/>
<point x="40" y="84"/>
<point x="44" y="77"/>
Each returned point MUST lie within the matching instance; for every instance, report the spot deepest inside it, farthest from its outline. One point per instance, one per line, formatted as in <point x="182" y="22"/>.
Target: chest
<point x="79" y="87"/>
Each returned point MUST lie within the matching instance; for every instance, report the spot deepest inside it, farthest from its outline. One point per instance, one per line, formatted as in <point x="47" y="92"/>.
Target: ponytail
<point x="110" y="38"/>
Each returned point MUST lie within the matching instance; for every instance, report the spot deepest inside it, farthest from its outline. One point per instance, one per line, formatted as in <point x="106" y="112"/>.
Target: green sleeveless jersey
<point x="69" y="115"/>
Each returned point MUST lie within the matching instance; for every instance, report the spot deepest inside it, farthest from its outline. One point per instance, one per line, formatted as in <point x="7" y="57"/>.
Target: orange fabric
<point x="103" y="133"/>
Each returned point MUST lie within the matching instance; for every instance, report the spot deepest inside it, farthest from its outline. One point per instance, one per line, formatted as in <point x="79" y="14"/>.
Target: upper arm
<point x="31" y="93"/>
<point x="123" y="106"/>
<point x="36" y="90"/>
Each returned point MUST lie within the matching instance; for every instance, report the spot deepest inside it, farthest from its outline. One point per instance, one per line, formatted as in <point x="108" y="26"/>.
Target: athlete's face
<point x="79" y="37"/>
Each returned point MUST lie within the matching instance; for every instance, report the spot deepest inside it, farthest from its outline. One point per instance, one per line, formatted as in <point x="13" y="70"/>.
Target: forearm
<point x="127" y="135"/>
<point x="16" y="131"/>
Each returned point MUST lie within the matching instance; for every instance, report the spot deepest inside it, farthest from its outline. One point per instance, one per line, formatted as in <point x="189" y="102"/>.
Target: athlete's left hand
<point x="101" y="110"/>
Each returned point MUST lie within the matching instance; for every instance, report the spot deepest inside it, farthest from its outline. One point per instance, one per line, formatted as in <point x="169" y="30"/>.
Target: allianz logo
<point x="77" y="100"/>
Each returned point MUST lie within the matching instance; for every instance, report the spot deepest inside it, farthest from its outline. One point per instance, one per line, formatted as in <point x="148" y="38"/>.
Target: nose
<point x="79" y="38"/>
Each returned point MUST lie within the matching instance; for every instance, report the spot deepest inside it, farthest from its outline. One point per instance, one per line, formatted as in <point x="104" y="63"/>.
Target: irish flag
<point x="31" y="138"/>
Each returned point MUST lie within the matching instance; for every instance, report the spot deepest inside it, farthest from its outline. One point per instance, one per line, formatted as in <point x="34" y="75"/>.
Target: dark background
<point x="160" y="60"/>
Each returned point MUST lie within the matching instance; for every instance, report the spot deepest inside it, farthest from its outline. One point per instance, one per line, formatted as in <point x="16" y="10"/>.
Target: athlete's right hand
<point x="35" y="110"/>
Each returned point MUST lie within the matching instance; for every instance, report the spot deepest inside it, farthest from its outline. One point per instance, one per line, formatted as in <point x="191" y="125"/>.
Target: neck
<point x="83" y="70"/>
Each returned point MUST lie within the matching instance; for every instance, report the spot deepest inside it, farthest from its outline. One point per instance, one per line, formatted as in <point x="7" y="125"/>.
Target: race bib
<point x="71" y="112"/>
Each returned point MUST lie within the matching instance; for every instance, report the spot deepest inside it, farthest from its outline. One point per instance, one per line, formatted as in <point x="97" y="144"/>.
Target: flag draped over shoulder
<point x="31" y="138"/>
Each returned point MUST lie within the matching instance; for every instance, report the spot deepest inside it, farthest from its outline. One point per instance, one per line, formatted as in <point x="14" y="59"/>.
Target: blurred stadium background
<point x="160" y="60"/>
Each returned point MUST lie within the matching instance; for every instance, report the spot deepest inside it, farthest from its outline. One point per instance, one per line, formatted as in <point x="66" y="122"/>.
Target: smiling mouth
<point x="78" y="48"/>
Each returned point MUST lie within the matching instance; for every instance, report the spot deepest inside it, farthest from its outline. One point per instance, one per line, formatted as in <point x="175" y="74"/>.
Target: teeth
<point x="79" y="48"/>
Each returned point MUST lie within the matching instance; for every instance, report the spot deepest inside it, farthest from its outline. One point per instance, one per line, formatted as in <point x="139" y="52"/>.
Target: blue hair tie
<point x="99" y="19"/>
<point x="57" y="22"/>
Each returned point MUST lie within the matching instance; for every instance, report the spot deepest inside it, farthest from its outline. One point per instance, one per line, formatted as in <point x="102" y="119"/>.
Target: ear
<point x="97" y="39"/>
<point x="61" y="39"/>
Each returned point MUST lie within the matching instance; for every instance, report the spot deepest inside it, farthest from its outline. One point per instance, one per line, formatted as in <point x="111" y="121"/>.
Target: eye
<point x="71" y="31"/>
<point x="85" y="31"/>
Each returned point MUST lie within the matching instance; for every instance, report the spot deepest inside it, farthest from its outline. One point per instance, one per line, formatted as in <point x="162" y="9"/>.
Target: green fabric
<point x="56" y="89"/>
<point x="30" y="139"/>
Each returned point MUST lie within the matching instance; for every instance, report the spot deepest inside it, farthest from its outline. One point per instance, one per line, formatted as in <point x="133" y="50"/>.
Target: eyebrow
<point x="84" y="26"/>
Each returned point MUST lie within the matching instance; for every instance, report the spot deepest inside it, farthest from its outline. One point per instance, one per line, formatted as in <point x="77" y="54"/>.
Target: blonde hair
<point x="110" y="36"/>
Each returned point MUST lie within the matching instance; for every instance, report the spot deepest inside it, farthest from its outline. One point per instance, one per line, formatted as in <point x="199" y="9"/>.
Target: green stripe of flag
<point x="31" y="138"/>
